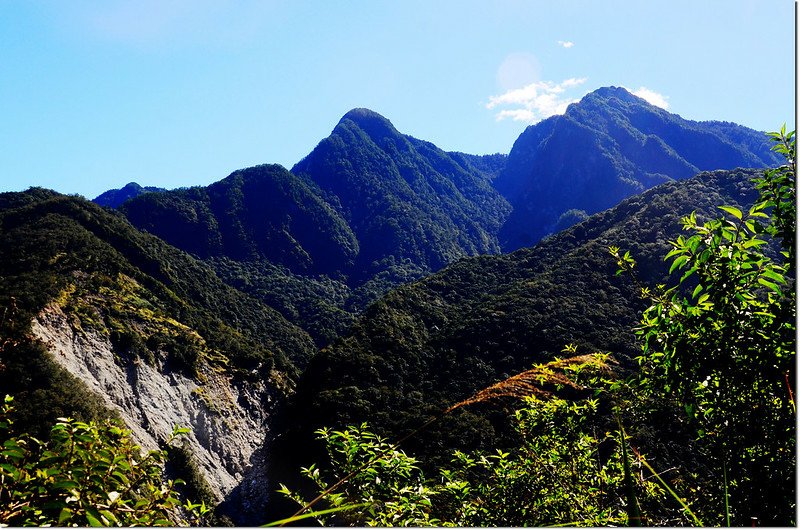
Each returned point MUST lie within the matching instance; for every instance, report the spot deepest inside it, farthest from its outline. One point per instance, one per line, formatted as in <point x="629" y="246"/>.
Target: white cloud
<point x="517" y="115"/>
<point x="566" y="43"/>
<point x="536" y="101"/>
<point x="652" y="97"/>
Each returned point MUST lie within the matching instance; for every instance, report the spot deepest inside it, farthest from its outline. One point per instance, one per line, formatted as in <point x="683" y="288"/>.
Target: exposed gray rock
<point x="228" y="418"/>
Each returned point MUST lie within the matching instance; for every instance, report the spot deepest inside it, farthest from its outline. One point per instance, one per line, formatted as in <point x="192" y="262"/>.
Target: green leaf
<point x="773" y="276"/>
<point x="13" y="453"/>
<point x="688" y="273"/>
<point x="679" y="262"/>
<point x="696" y="291"/>
<point x="736" y="212"/>
<point x="110" y="517"/>
<point x="673" y="252"/>
<point x="66" y="485"/>
<point x="64" y="515"/>
<point x="753" y="243"/>
<point x="93" y="517"/>
<point x="769" y="285"/>
<point x="179" y="431"/>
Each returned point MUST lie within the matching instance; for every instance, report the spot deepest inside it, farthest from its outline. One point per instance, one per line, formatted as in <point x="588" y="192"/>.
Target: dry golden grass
<point x="541" y="381"/>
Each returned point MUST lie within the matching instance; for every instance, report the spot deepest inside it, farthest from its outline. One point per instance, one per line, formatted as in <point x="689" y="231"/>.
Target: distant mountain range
<point x="367" y="282"/>
<point x="410" y="204"/>
<point x="367" y="210"/>
<point x="607" y="147"/>
<point x="115" y="198"/>
<point x="366" y="200"/>
<point x="370" y="208"/>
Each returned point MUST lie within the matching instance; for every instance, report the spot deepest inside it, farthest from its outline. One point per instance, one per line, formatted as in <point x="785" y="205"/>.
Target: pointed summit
<point x="407" y="201"/>
<point x="362" y="114"/>
<point x="610" y="145"/>
<point x="372" y="123"/>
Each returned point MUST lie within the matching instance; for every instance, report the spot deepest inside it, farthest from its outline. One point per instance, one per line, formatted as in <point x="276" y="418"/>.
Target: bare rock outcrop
<point x="227" y="417"/>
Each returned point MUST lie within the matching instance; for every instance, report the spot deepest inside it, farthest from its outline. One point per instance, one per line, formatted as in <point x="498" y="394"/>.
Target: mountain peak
<point x="617" y="145"/>
<point x="613" y="92"/>
<point x="114" y="198"/>
<point x="360" y="114"/>
<point x="371" y="122"/>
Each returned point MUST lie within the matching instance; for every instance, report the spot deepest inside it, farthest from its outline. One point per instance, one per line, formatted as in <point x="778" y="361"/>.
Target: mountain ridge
<point x="116" y="197"/>
<point x="608" y="146"/>
<point x="370" y="208"/>
<point x="429" y="344"/>
<point x="349" y="222"/>
<point x="366" y="283"/>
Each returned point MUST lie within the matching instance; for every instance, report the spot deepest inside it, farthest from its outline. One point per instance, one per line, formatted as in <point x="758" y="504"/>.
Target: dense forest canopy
<point x="331" y="309"/>
<point x="483" y="319"/>
<point x="709" y="400"/>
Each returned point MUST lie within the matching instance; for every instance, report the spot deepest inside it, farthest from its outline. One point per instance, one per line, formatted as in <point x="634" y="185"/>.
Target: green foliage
<point x="320" y="305"/>
<point x="485" y="318"/>
<point x="387" y="480"/>
<point x="45" y="389"/>
<point x="568" y="469"/>
<point x="721" y="342"/>
<point x="86" y="474"/>
<point x="558" y="476"/>
<point x="715" y="378"/>
<point x="778" y="191"/>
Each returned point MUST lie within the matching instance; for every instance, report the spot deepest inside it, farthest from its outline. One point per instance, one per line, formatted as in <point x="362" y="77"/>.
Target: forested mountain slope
<point x="367" y="199"/>
<point x="101" y="319"/>
<point x="49" y="239"/>
<point x="405" y="199"/>
<point x="432" y="343"/>
<point x="367" y="210"/>
<point x="370" y="208"/>
<point x="609" y="146"/>
<point x="263" y="212"/>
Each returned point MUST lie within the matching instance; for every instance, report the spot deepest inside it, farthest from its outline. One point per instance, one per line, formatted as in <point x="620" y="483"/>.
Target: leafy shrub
<point x="720" y="342"/>
<point x="719" y="345"/>
<point x="86" y="474"/>
<point x="568" y="469"/>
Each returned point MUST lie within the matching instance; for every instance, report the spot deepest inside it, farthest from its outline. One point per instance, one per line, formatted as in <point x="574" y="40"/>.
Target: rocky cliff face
<point x="228" y="418"/>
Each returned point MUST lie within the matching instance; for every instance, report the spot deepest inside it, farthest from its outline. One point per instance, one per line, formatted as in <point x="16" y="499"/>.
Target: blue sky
<point x="174" y="93"/>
